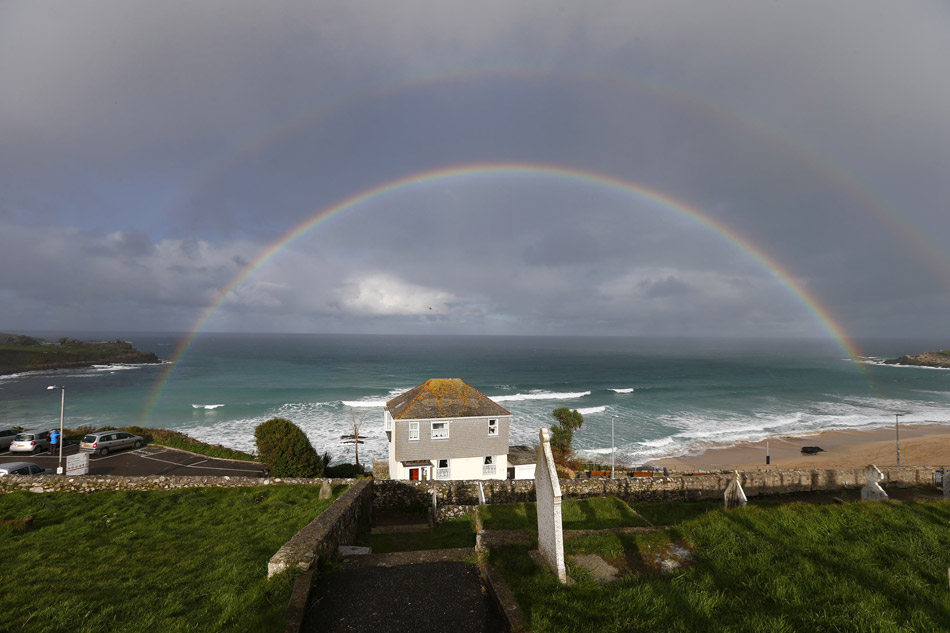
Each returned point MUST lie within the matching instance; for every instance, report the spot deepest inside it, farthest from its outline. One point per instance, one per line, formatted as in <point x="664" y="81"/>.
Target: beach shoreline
<point x="920" y="445"/>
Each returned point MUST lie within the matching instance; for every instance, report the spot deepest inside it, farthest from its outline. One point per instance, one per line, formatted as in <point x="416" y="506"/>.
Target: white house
<point x="446" y="429"/>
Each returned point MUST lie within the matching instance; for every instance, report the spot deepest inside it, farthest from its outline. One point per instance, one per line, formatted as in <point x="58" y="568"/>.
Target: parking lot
<point x="148" y="460"/>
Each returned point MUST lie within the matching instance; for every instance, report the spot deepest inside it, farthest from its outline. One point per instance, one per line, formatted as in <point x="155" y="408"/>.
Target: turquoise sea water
<point x="669" y="396"/>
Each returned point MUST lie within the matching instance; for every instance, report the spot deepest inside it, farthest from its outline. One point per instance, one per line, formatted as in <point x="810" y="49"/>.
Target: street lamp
<point x="897" y="432"/>
<point x="62" y="412"/>
<point x="612" y="418"/>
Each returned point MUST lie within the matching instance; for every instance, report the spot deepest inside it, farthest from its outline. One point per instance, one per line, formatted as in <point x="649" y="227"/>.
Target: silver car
<point x="23" y="468"/>
<point x="104" y="442"/>
<point x="30" y="441"/>
<point x="6" y="437"/>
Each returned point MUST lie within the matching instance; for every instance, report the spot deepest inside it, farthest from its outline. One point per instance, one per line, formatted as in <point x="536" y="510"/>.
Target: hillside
<point x="939" y="358"/>
<point x="23" y="353"/>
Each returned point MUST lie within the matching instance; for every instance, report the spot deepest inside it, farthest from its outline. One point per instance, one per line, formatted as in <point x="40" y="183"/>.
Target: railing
<point x="488" y="470"/>
<point x="442" y="473"/>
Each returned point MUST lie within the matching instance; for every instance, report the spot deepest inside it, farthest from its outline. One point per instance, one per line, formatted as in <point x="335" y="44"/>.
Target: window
<point x="413" y="430"/>
<point x="440" y="430"/>
<point x="488" y="467"/>
<point x="493" y="427"/>
<point x="443" y="472"/>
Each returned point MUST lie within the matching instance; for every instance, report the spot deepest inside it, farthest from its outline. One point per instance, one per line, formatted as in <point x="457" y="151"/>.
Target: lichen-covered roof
<point x="443" y="398"/>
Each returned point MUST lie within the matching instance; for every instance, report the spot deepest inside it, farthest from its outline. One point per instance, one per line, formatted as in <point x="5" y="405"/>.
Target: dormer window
<point x="493" y="427"/>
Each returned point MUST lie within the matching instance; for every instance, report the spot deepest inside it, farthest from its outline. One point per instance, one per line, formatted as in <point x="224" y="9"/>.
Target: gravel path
<point x="432" y="597"/>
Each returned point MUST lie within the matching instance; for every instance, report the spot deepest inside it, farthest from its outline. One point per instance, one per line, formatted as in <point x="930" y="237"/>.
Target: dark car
<point x="6" y="437"/>
<point x="104" y="442"/>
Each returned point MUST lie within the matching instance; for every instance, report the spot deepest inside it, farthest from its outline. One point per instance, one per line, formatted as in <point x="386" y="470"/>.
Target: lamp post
<point x="897" y="432"/>
<point x="62" y="412"/>
<point x="612" y="418"/>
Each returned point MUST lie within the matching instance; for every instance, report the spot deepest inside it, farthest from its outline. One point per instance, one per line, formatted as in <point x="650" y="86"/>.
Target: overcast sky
<point x="151" y="151"/>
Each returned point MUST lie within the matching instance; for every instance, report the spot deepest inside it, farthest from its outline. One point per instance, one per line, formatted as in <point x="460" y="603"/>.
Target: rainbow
<point x="569" y="174"/>
<point x="824" y="168"/>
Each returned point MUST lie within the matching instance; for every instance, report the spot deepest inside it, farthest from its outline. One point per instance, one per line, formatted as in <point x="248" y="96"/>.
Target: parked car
<point x="23" y="468"/>
<point x="104" y="442"/>
<point x="30" y="441"/>
<point x="6" y="437"/>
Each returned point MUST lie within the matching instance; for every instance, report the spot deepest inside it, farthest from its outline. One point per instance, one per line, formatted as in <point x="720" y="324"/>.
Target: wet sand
<point x="927" y="445"/>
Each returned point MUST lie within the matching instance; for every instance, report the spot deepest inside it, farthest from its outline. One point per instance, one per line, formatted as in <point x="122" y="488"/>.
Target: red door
<point x="413" y="474"/>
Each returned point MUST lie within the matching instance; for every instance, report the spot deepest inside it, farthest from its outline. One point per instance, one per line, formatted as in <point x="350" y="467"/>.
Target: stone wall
<point x="417" y="495"/>
<point x="95" y="483"/>
<point x="337" y="525"/>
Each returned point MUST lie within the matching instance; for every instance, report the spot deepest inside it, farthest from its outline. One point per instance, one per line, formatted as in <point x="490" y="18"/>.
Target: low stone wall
<point x="337" y="525"/>
<point x="407" y="496"/>
<point x="95" y="483"/>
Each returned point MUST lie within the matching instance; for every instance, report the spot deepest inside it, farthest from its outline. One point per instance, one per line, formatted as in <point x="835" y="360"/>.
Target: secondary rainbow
<point x="814" y="306"/>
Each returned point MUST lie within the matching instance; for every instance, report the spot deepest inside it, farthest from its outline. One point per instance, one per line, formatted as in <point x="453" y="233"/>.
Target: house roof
<point x="443" y="398"/>
<point x="520" y="455"/>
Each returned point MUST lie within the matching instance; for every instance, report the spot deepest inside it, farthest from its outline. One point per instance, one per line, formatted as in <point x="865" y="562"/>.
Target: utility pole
<point x="897" y="431"/>
<point x="612" y="418"/>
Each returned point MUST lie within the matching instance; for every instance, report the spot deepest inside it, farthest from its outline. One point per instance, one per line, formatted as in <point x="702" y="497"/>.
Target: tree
<point x="286" y="450"/>
<point x="562" y="433"/>
<point x="355" y="439"/>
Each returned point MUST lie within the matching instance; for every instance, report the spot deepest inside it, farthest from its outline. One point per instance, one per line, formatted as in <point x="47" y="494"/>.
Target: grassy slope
<point x="176" y="560"/>
<point x="596" y="513"/>
<point x="796" y="567"/>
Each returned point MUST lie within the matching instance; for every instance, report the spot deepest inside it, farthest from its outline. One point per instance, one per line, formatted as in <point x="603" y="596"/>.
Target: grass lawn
<point x="793" y="567"/>
<point x="596" y="513"/>
<point x="449" y="534"/>
<point x="171" y="560"/>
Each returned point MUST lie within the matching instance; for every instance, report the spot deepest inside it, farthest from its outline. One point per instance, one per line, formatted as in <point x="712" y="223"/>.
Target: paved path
<point x="439" y="597"/>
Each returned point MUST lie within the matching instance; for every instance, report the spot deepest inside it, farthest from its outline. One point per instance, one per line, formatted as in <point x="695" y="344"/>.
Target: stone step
<point x="395" y="559"/>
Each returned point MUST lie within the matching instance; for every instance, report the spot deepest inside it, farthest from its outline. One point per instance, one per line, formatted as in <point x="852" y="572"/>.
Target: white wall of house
<point x="525" y="471"/>
<point x="459" y="468"/>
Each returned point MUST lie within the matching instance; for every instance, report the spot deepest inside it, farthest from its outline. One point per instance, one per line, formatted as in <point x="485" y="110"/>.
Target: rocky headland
<point x="939" y="359"/>
<point x="20" y="353"/>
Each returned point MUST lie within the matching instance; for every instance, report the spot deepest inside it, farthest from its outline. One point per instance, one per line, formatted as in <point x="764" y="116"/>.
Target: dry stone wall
<point x="95" y="483"/>
<point x="417" y="495"/>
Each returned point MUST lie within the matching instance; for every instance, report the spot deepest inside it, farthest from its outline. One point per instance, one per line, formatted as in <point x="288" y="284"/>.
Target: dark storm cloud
<point x="149" y="151"/>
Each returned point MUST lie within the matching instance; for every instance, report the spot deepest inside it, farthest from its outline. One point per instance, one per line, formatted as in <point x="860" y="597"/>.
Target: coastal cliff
<point x="23" y="353"/>
<point x="939" y="358"/>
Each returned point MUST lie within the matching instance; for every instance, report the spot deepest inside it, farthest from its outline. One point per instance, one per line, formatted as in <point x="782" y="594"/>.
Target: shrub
<point x="344" y="471"/>
<point x="286" y="450"/>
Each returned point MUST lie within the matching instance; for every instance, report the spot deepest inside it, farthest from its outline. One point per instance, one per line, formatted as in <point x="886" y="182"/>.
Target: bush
<point x="286" y="450"/>
<point x="344" y="471"/>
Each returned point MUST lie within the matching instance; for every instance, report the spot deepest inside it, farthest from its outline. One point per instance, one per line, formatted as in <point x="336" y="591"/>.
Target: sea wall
<point x="95" y="483"/>
<point x="407" y="496"/>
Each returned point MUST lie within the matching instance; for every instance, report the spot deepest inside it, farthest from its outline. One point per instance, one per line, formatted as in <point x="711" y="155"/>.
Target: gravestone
<point x="326" y="492"/>
<point x="735" y="495"/>
<point x="548" y="492"/>
<point x="872" y="490"/>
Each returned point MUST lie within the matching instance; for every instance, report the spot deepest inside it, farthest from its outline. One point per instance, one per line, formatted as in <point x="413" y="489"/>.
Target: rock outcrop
<point x="23" y="353"/>
<point x="929" y="359"/>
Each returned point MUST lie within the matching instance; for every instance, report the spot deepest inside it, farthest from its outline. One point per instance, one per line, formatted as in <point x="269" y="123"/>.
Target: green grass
<point x="175" y="560"/>
<point x="596" y="513"/>
<point x="794" y="567"/>
<point x="446" y="535"/>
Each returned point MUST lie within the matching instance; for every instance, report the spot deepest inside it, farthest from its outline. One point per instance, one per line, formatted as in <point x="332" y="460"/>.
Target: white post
<point x="62" y="413"/>
<point x="612" y="444"/>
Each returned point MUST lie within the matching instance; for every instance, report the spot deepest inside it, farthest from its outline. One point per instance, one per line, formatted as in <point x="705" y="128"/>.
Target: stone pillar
<point x="872" y="490"/>
<point x="735" y="495"/>
<point x="548" y="492"/>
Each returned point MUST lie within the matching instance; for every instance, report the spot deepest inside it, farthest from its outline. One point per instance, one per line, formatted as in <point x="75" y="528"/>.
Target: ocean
<point x="665" y="397"/>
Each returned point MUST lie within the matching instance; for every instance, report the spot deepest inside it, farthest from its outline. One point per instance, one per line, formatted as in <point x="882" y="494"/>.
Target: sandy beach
<point x="926" y="445"/>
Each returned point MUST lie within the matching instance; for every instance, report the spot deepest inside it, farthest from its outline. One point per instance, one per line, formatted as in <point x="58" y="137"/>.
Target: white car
<point x="30" y="441"/>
